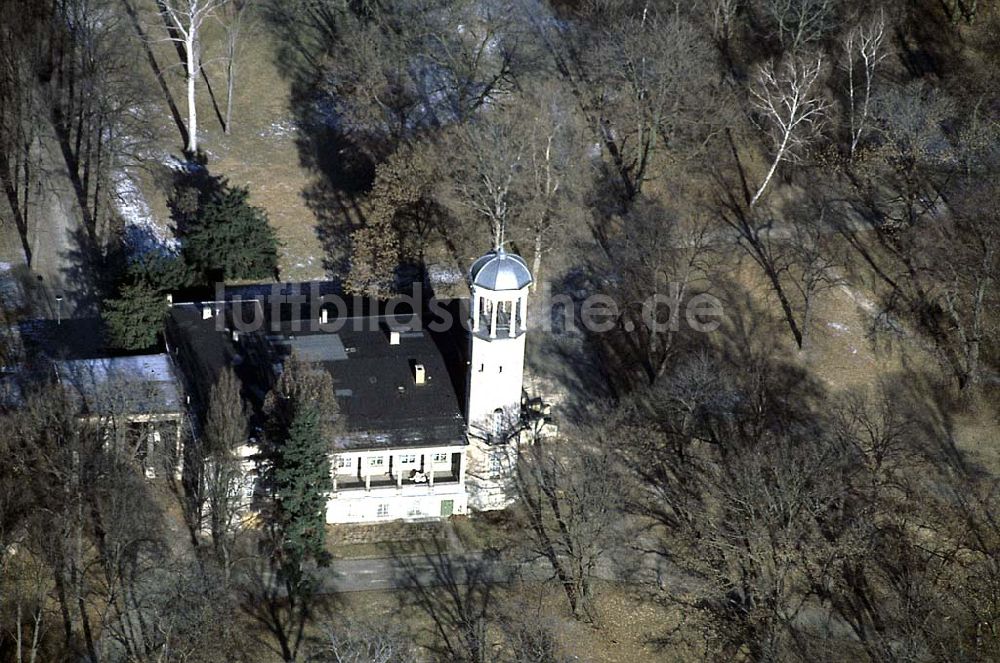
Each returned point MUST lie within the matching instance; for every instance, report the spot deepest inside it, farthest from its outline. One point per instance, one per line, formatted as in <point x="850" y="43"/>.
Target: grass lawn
<point x="261" y="152"/>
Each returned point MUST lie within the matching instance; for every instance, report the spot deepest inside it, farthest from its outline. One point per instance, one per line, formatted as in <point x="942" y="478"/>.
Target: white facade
<point x="496" y="373"/>
<point x="498" y="330"/>
<point x="489" y="477"/>
<point x="391" y="484"/>
<point x="496" y="359"/>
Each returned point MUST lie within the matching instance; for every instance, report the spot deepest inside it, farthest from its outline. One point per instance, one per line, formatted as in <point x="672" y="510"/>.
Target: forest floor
<point x="629" y="627"/>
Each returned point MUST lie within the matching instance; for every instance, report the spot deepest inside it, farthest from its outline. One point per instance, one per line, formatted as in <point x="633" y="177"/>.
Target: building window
<point x="345" y="462"/>
<point x="248" y="486"/>
<point x="440" y="458"/>
<point x="383" y="510"/>
<point x="407" y="459"/>
<point x="375" y="461"/>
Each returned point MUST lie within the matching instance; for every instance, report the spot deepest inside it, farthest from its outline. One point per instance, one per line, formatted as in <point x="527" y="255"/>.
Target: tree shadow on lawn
<point x="341" y="175"/>
<point x="340" y="169"/>
<point x="456" y="591"/>
<point x="90" y="274"/>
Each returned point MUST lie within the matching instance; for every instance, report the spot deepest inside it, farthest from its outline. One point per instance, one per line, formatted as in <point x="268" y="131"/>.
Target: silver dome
<point x="499" y="270"/>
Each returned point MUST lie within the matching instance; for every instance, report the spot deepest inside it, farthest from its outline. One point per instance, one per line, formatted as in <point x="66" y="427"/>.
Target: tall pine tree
<point x="302" y="483"/>
<point x="301" y="420"/>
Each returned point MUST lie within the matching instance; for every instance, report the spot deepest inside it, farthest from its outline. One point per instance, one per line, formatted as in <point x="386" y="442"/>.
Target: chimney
<point x="419" y="374"/>
<point x="206" y="311"/>
<point x="393" y="337"/>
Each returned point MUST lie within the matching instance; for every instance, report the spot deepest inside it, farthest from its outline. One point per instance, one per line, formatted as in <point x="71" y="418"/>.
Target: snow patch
<point x="309" y="262"/>
<point x="143" y="233"/>
<point x="444" y="275"/>
<point x="279" y="129"/>
<point x="179" y="165"/>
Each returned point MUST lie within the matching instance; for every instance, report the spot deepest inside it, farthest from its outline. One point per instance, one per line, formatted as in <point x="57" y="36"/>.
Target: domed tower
<point x="499" y="312"/>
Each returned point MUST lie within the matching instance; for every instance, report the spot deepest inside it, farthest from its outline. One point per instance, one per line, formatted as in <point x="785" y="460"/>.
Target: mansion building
<point x="430" y="412"/>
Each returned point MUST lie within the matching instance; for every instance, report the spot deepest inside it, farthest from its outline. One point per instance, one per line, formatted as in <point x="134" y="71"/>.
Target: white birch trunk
<point x="191" y="44"/>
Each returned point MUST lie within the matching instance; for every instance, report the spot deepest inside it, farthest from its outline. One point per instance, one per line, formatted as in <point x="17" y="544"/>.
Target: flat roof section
<point x="141" y="384"/>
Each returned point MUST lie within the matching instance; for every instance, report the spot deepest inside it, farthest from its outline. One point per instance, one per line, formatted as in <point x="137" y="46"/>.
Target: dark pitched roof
<point x="378" y="395"/>
<point x="381" y="403"/>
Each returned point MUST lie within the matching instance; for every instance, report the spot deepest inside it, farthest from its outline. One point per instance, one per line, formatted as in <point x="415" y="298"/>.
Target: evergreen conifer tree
<point x="135" y="319"/>
<point x="302" y="478"/>
<point x="229" y="238"/>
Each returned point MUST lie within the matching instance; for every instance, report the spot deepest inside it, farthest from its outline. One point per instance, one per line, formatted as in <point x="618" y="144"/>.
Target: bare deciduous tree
<point x="723" y="17"/>
<point x="799" y="23"/>
<point x="570" y="503"/>
<point x="185" y="19"/>
<point x="863" y="48"/>
<point x="657" y="261"/>
<point x="353" y="641"/>
<point x="518" y="168"/>
<point x="651" y="91"/>
<point x="815" y="264"/>
<point x="235" y="24"/>
<point x="790" y="106"/>
<point x="398" y="72"/>
<point x="226" y="431"/>
<point x="554" y="176"/>
<point x="491" y="156"/>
